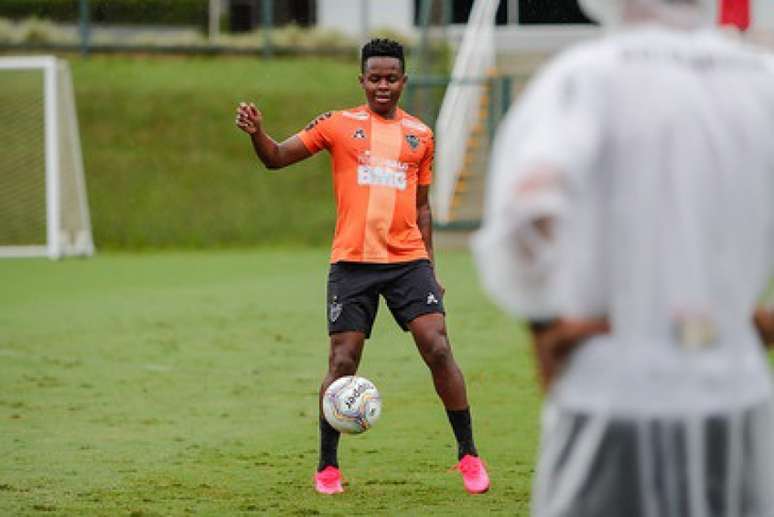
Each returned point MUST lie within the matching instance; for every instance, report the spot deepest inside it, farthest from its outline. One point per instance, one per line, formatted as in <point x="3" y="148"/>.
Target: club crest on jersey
<point x="413" y="141"/>
<point x="359" y="134"/>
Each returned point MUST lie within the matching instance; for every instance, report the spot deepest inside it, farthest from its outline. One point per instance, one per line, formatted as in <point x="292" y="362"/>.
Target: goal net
<point x="43" y="205"/>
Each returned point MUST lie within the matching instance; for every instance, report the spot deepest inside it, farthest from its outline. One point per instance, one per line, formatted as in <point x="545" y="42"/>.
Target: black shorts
<point x="409" y="288"/>
<point x="613" y="484"/>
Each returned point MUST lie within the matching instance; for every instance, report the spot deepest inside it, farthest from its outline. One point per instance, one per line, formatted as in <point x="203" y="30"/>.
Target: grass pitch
<point x="177" y="383"/>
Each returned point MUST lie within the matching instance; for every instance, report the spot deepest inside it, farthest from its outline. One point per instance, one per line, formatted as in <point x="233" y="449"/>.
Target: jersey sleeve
<point x="318" y="134"/>
<point x="545" y="149"/>
<point x="426" y="165"/>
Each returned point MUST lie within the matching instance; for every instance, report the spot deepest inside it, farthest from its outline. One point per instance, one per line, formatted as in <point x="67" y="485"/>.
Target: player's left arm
<point x="425" y="224"/>
<point x="553" y="339"/>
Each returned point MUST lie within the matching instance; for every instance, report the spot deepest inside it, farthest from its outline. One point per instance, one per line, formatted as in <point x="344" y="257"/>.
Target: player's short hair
<point x="382" y="47"/>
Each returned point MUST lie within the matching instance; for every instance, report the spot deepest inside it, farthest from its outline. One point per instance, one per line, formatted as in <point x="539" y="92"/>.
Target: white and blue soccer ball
<point x="352" y="404"/>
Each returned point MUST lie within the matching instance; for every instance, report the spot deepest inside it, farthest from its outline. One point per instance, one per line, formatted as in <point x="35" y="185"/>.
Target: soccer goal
<point x="43" y="205"/>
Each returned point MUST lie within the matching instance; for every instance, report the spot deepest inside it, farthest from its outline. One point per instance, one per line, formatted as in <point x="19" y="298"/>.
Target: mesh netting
<point x="22" y="159"/>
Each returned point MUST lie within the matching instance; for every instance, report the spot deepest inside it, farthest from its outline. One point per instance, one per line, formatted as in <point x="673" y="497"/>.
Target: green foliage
<point x="291" y="37"/>
<point x="35" y="31"/>
<point x="62" y="10"/>
<point x="165" y="165"/>
<point x="287" y="39"/>
<point x="146" y="12"/>
<point x="176" y="383"/>
<point x="39" y="31"/>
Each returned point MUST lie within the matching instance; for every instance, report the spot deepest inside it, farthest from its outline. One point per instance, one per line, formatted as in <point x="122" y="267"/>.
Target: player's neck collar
<point x="397" y="116"/>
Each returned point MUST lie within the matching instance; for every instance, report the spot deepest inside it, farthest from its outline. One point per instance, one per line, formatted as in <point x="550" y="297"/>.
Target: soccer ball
<point x="352" y="404"/>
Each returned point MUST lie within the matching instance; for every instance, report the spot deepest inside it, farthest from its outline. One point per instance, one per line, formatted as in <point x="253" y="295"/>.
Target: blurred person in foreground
<point x="630" y="219"/>
<point x="382" y="169"/>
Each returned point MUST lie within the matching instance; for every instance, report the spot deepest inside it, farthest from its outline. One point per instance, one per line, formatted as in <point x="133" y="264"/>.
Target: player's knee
<point x="438" y="353"/>
<point x="342" y="363"/>
<point x="428" y="331"/>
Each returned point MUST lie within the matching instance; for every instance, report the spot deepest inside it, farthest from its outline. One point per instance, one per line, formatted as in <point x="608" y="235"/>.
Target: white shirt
<point x="663" y="147"/>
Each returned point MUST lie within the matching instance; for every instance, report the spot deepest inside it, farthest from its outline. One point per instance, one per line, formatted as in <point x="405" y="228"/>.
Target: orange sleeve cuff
<point x="308" y="141"/>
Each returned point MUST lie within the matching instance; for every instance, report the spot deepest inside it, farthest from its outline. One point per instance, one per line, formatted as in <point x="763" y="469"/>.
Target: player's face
<point x="383" y="80"/>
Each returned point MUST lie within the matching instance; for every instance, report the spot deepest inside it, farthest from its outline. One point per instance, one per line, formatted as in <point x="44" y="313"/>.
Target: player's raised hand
<point x="248" y="118"/>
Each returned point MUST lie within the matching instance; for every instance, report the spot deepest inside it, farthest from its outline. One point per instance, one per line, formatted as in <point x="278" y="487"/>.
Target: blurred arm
<point x="535" y="235"/>
<point x="764" y="323"/>
<point x="554" y="341"/>
<point x="544" y="150"/>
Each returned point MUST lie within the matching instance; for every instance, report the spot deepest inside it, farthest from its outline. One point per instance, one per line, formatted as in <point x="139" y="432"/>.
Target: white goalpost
<point x="43" y="205"/>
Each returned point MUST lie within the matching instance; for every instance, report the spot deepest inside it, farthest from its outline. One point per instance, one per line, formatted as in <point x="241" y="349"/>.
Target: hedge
<point x="146" y="12"/>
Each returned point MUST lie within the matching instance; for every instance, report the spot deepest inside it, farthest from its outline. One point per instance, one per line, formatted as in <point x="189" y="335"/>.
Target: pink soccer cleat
<point x="474" y="475"/>
<point x="328" y="481"/>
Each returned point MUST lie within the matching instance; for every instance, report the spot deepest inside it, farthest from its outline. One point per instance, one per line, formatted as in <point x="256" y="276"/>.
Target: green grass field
<point x="177" y="383"/>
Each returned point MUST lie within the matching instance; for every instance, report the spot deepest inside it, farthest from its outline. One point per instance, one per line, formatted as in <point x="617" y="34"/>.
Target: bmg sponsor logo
<point x="381" y="172"/>
<point x="381" y="177"/>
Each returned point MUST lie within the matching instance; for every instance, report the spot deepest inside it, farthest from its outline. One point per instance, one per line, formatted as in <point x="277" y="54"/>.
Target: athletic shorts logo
<point x="413" y="142"/>
<point x="335" y="310"/>
<point x="431" y="299"/>
<point x="359" y="134"/>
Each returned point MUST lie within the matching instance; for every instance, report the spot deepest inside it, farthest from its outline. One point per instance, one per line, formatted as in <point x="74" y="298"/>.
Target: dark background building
<point x="527" y="12"/>
<point x="246" y="15"/>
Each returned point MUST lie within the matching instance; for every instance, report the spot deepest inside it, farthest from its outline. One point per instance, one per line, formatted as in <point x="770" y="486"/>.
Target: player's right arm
<point x="272" y="154"/>
<point x="554" y="340"/>
<point x="764" y="323"/>
<point x="546" y="147"/>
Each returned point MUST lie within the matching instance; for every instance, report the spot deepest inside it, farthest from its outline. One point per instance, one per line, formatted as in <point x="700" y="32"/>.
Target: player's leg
<point x="344" y="357"/>
<point x="429" y="332"/>
<point x="415" y="300"/>
<point x="352" y="306"/>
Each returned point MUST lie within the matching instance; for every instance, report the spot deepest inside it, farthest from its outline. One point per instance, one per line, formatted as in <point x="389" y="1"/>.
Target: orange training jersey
<point x="377" y="164"/>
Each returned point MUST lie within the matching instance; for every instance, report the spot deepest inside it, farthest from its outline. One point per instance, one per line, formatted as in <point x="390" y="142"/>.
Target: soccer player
<point x="382" y="169"/>
<point x="630" y="219"/>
